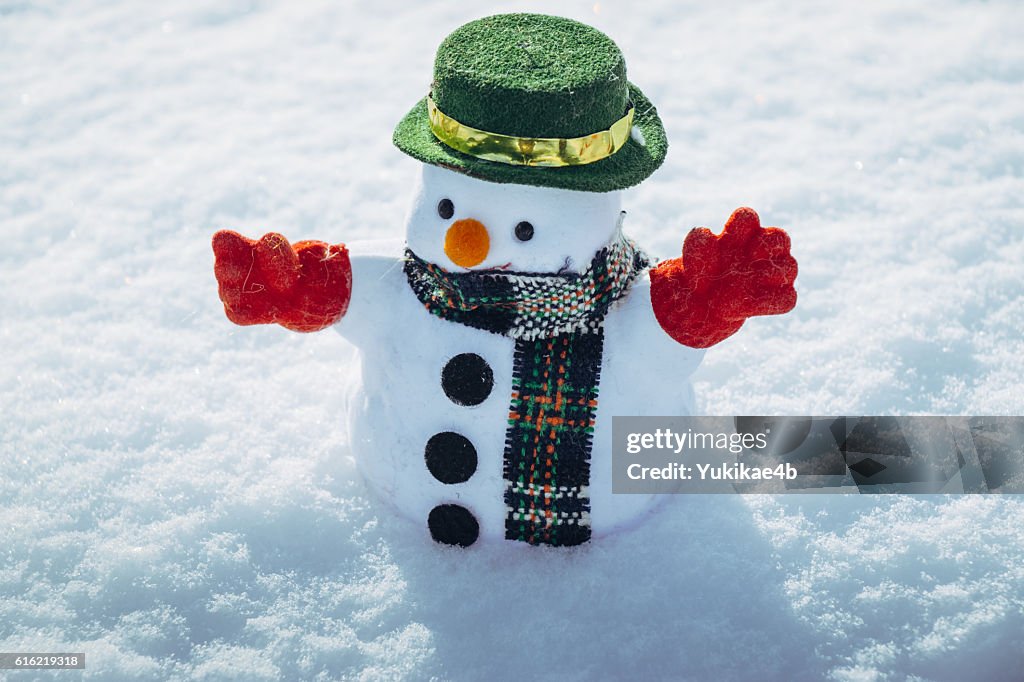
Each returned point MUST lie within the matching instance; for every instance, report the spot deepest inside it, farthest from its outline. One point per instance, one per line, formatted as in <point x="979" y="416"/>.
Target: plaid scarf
<point x="557" y="323"/>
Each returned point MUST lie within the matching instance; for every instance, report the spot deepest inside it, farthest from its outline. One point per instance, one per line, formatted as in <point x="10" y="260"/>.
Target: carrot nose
<point x="466" y="243"/>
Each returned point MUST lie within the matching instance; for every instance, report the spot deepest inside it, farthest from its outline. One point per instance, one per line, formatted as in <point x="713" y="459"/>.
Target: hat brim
<point x="642" y="154"/>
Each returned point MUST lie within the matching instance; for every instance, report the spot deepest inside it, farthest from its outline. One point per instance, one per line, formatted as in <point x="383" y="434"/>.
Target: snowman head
<point x="465" y="224"/>
<point x="528" y="134"/>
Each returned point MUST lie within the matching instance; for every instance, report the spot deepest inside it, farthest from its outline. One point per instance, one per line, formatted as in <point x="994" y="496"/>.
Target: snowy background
<point x="175" y="495"/>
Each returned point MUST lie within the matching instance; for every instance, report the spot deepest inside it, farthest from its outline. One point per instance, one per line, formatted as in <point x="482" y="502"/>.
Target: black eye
<point x="445" y="208"/>
<point x="524" y="231"/>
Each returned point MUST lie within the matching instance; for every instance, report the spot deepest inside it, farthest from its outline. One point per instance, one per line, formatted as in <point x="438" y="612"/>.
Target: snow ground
<point x="175" y="499"/>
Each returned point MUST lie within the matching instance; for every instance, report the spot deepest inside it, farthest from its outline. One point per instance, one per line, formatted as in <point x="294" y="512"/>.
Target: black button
<point x="451" y="524"/>
<point x="467" y="379"/>
<point x="451" y="458"/>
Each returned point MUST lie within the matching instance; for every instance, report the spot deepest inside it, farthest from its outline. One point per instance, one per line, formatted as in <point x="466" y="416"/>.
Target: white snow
<point x="175" y="494"/>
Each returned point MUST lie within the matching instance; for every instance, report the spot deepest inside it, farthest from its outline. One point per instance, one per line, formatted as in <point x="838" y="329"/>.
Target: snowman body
<point x="401" y="400"/>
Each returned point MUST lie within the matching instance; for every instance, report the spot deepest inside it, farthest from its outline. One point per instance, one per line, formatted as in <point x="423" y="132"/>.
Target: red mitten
<point x="705" y="296"/>
<point x="303" y="287"/>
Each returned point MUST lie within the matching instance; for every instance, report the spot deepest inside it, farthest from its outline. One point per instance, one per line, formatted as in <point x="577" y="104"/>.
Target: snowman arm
<point x="704" y="296"/>
<point x="304" y="286"/>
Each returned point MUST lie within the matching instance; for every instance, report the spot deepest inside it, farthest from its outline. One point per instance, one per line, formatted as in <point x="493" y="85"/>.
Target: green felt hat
<point x="512" y="78"/>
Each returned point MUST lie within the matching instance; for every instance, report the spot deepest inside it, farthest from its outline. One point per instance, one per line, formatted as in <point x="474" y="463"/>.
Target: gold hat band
<point x="529" y="151"/>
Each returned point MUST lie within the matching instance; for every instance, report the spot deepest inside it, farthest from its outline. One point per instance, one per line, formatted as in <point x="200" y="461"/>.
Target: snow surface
<point x="175" y="497"/>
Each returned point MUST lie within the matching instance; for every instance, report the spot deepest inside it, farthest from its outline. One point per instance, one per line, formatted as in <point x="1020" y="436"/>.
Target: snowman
<point x="517" y="319"/>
